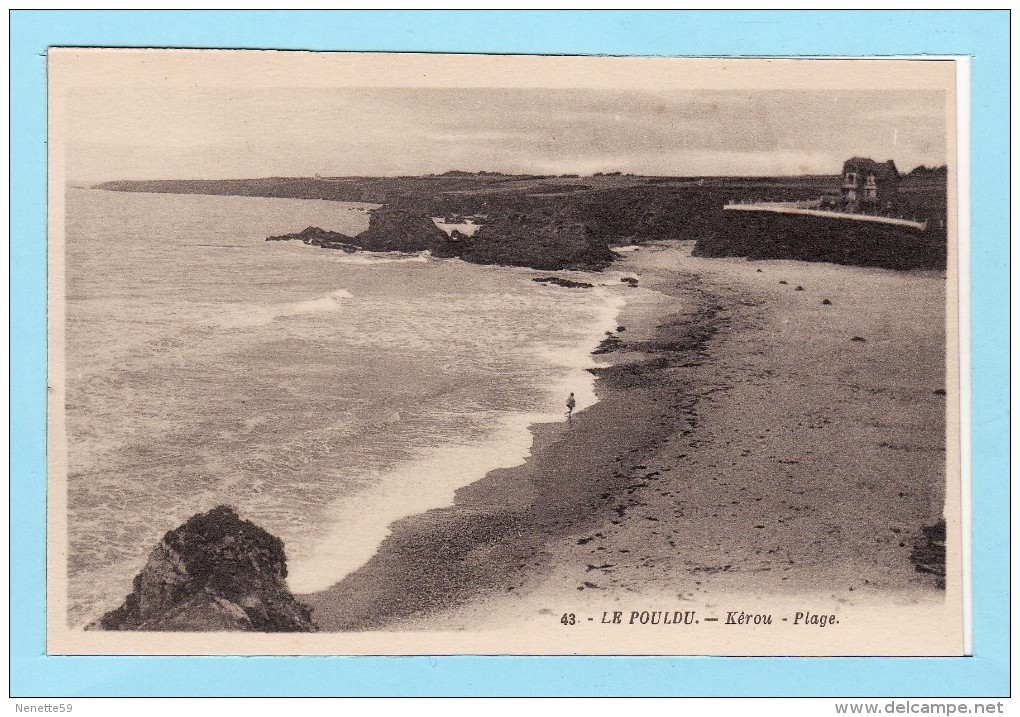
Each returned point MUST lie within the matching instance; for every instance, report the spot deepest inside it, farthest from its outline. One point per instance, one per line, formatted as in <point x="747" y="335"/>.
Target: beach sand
<point x="745" y="445"/>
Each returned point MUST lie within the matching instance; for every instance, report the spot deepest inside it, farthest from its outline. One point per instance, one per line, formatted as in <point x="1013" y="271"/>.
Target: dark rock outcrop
<point x="541" y="236"/>
<point x="396" y="228"/>
<point x="537" y="235"/>
<point x="216" y="572"/>
<point x="565" y="283"/>
<point x="389" y="229"/>
<point x="319" y="237"/>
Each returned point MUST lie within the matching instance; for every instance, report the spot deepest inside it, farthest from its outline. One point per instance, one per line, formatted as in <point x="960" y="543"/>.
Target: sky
<point x="179" y="132"/>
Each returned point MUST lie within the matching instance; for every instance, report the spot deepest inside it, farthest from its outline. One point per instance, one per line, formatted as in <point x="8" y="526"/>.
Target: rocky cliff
<point x="216" y="572"/>
<point x="765" y="235"/>
<point x="540" y="236"/>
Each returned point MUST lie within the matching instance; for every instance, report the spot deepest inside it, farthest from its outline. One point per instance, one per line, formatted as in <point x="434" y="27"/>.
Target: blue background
<point x="984" y="35"/>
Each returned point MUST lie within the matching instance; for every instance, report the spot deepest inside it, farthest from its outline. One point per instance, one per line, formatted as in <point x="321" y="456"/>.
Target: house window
<point x="851" y="177"/>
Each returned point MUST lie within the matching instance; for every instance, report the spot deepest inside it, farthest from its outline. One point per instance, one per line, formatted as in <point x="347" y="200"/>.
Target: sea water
<point x="321" y="394"/>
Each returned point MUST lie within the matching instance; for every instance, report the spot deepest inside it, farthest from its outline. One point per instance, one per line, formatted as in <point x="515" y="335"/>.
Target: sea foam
<point x="260" y="316"/>
<point x="362" y="522"/>
<point x="374" y="257"/>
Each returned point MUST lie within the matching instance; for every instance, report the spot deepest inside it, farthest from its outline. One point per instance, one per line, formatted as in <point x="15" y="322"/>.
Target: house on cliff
<point x="869" y="185"/>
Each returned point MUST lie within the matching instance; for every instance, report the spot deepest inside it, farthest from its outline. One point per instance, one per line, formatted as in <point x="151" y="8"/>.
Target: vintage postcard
<point x="444" y="354"/>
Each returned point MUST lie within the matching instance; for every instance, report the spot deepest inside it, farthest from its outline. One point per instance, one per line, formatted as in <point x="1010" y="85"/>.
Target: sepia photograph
<point x="430" y="354"/>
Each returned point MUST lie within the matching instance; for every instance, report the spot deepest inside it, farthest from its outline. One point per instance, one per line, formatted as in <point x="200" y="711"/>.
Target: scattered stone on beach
<point x="826" y="302"/>
<point x="631" y="280"/>
<point x="858" y="339"/>
<point x="621" y="328"/>
<point x="939" y="392"/>
<point x="782" y="281"/>
<point x="758" y="270"/>
<point x="216" y="572"/>
<point x="799" y="288"/>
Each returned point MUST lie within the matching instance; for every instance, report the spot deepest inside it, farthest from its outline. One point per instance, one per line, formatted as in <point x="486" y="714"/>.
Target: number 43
<point x="568" y="619"/>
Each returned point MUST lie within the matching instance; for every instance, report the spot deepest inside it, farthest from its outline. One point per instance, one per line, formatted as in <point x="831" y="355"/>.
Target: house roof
<point x="864" y="165"/>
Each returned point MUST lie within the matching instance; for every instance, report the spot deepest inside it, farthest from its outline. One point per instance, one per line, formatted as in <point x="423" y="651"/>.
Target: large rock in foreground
<point x="215" y="572"/>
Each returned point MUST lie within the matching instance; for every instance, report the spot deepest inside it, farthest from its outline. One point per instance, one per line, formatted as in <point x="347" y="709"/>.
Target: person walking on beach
<point x="570" y="405"/>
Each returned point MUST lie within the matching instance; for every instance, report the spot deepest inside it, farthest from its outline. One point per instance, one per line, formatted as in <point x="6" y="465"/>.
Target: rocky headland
<point x="569" y="222"/>
<point x="539" y="236"/>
